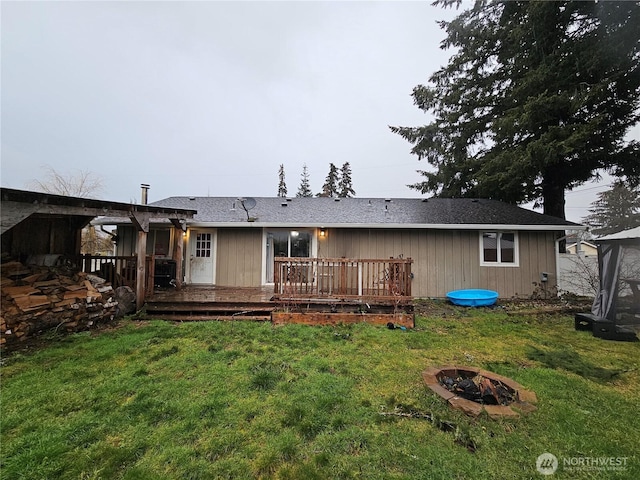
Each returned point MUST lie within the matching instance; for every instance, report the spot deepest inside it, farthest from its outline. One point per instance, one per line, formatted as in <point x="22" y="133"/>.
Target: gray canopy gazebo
<point x="615" y="314"/>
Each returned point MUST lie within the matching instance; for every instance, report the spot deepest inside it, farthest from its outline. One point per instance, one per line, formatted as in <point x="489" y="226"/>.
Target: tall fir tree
<point x="615" y="210"/>
<point x="537" y="98"/>
<point x="330" y="187"/>
<point x="304" y="190"/>
<point x="345" y="184"/>
<point x="282" y="186"/>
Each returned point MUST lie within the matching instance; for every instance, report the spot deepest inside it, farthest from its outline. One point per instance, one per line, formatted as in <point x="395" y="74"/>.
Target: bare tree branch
<point x="83" y="183"/>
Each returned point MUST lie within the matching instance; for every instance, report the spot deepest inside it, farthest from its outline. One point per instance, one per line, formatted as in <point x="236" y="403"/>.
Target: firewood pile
<point x="39" y="298"/>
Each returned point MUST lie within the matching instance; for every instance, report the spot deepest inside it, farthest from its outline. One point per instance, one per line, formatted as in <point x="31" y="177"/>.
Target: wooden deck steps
<point x="194" y="311"/>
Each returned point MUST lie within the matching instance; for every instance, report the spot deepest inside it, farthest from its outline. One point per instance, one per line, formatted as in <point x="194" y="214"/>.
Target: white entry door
<point x="201" y="257"/>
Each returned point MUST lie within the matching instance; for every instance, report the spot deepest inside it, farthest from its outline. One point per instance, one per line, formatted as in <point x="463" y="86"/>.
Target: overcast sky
<point x="209" y="98"/>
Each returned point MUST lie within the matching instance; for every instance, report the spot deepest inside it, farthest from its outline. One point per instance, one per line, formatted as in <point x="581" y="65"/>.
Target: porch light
<point x="295" y="233"/>
<point x="323" y="232"/>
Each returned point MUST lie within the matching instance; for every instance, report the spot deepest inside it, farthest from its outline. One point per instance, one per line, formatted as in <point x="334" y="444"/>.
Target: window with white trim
<point x="499" y="249"/>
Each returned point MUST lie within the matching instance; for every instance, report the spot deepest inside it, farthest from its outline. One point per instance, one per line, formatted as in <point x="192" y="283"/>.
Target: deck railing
<point x="118" y="270"/>
<point x="366" y="280"/>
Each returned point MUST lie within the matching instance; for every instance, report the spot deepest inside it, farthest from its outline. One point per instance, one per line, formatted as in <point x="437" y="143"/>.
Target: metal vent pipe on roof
<point x="145" y="193"/>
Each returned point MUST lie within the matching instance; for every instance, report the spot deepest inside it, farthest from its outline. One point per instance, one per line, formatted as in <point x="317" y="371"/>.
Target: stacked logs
<point x="36" y="299"/>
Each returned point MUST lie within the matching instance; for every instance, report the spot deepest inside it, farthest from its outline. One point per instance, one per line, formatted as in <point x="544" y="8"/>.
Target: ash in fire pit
<point x="479" y="389"/>
<point x="474" y="390"/>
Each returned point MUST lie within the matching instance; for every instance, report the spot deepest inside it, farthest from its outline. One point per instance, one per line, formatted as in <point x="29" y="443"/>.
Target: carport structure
<point x="35" y="223"/>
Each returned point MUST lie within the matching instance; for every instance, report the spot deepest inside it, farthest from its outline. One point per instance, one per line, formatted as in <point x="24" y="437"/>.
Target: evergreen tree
<point x="615" y="210"/>
<point x="345" y="184"/>
<point x="304" y="190"/>
<point x="330" y="187"/>
<point x="282" y="186"/>
<point x="536" y="99"/>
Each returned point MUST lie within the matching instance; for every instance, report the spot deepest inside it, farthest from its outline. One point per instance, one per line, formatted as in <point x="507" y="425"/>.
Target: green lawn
<point x="156" y="400"/>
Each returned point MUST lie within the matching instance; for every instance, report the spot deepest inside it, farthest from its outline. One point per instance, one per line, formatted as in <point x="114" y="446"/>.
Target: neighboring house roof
<point x="632" y="233"/>
<point x="364" y="212"/>
<point x="582" y="243"/>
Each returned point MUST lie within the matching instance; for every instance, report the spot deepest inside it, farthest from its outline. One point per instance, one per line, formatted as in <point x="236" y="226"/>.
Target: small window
<point x="203" y="245"/>
<point x="499" y="249"/>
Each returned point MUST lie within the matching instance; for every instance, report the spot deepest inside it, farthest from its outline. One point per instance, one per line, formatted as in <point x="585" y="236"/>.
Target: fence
<point x="578" y="274"/>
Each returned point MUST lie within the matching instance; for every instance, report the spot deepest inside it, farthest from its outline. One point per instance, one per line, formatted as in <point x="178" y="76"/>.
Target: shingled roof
<point x="364" y="212"/>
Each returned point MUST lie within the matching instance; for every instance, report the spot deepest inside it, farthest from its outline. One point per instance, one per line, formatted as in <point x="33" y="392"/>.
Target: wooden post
<point x="150" y="275"/>
<point x="141" y="221"/>
<point x="178" y="247"/>
<point x="86" y="263"/>
<point x="141" y="251"/>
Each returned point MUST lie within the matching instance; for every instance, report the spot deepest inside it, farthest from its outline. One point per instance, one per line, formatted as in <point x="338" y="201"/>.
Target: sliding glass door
<point x="286" y="243"/>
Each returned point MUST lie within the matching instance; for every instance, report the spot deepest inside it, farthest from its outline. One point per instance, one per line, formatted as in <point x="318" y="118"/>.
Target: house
<point x="453" y="243"/>
<point x="581" y="247"/>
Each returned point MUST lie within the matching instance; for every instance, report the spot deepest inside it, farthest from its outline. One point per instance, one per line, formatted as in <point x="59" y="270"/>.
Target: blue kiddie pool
<point x="473" y="297"/>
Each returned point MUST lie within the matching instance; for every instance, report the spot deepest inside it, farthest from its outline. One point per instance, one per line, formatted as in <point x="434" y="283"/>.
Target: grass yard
<point x="156" y="400"/>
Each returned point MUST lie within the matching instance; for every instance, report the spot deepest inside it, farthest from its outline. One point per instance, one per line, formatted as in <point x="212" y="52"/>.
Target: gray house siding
<point x="448" y="260"/>
<point x="160" y="241"/>
<point x="443" y="260"/>
<point x="239" y="257"/>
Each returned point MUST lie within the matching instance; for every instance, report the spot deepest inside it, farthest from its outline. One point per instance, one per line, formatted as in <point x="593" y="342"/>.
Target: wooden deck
<point x="199" y="303"/>
<point x="194" y="302"/>
<point x="208" y="293"/>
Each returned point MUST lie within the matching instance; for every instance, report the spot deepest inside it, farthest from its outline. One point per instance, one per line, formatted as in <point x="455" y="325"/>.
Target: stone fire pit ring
<point x="524" y="399"/>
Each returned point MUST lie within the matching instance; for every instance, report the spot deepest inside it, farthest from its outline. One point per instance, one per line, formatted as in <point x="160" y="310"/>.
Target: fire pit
<point x="474" y="390"/>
